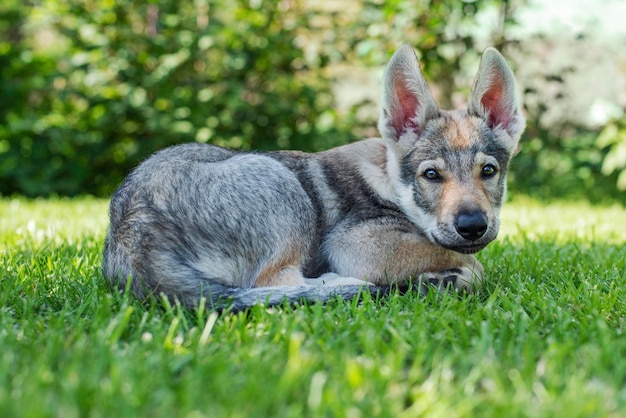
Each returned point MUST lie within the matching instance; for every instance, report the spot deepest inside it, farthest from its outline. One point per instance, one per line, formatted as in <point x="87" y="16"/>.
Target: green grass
<point x="543" y="338"/>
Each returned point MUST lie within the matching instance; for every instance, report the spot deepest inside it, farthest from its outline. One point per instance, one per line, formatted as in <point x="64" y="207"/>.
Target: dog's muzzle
<point x="469" y="233"/>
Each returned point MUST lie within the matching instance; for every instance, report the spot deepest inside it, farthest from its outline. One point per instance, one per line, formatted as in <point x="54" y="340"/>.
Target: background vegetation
<point x="88" y="88"/>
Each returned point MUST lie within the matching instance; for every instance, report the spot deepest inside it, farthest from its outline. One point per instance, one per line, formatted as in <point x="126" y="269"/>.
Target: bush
<point x="562" y="154"/>
<point x="613" y="139"/>
<point x="88" y="88"/>
<point x="118" y="81"/>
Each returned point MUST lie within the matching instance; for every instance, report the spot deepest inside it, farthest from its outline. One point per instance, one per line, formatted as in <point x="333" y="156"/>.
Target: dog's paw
<point x="461" y="280"/>
<point x="333" y="279"/>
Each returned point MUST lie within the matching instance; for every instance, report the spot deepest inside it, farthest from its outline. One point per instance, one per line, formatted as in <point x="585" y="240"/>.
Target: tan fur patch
<point x="410" y="259"/>
<point x="396" y="256"/>
<point x="454" y="195"/>
<point x="460" y="130"/>
<point x="284" y="272"/>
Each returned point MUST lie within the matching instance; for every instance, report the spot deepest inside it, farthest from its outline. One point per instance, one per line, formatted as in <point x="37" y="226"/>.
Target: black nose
<point x="471" y="225"/>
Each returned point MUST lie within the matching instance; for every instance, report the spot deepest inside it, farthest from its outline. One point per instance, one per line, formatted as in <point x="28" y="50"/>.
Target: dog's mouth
<point x="466" y="249"/>
<point x="463" y="248"/>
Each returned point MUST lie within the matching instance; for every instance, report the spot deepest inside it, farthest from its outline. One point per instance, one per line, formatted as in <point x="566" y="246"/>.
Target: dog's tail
<point x="232" y="299"/>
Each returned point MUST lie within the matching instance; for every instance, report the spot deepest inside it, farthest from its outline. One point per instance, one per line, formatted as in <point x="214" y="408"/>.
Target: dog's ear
<point x="407" y="103"/>
<point x="494" y="96"/>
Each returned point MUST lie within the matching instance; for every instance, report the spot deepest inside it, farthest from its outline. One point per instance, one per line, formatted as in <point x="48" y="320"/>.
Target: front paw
<point x="461" y="279"/>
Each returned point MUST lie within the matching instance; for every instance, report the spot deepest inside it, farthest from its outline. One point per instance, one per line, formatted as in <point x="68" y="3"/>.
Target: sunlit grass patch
<point x="544" y="336"/>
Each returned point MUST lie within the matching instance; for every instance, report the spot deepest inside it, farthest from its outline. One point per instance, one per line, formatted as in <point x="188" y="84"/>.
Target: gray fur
<point x="198" y="221"/>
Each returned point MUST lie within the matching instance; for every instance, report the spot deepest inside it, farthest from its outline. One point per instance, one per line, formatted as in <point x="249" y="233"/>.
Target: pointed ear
<point x="407" y="103"/>
<point x="494" y="96"/>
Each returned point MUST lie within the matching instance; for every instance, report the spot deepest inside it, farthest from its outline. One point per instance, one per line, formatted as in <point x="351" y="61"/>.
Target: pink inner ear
<point x="493" y="102"/>
<point x="408" y="108"/>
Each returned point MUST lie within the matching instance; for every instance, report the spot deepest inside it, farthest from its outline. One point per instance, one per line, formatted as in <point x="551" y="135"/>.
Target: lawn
<point x="543" y="338"/>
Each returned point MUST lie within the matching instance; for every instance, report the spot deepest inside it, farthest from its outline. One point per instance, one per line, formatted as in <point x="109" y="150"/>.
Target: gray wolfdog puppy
<point x="197" y="222"/>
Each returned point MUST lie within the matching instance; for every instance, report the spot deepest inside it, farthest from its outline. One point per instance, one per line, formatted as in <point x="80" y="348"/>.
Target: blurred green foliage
<point x="562" y="156"/>
<point x="119" y="80"/>
<point x="88" y="88"/>
<point x="613" y="140"/>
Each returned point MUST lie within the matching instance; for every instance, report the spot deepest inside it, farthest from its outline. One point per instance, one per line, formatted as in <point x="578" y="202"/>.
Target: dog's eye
<point x="489" y="170"/>
<point x="432" y="174"/>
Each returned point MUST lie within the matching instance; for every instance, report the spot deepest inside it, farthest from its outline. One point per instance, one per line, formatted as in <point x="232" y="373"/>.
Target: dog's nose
<point x="471" y="225"/>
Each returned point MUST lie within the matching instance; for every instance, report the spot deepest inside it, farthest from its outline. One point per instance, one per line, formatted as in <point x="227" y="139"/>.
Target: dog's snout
<point x="471" y="225"/>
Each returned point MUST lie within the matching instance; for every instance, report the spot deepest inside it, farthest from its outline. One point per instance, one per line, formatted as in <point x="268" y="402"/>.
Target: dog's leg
<point x="382" y="254"/>
<point x="280" y="276"/>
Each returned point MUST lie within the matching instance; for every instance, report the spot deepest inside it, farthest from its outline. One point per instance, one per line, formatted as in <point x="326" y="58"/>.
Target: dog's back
<point x="193" y="219"/>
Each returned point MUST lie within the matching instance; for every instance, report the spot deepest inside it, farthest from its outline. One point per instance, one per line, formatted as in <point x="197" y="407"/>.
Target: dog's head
<point x="452" y="164"/>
